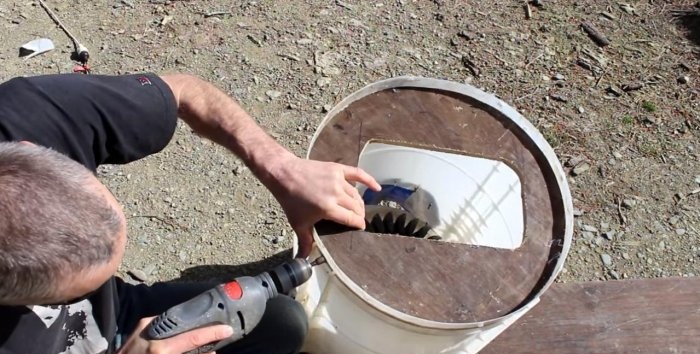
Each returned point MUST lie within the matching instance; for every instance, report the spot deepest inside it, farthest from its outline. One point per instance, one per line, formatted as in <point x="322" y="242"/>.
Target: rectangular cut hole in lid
<point x="464" y="199"/>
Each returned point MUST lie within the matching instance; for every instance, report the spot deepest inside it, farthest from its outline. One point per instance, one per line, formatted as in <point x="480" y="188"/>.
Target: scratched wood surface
<point x="631" y="316"/>
<point x="433" y="280"/>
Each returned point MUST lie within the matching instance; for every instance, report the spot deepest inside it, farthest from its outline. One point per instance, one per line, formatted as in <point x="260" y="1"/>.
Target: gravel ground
<point x="623" y="119"/>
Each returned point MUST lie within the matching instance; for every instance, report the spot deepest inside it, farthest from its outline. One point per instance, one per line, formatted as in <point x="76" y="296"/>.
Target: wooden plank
<point x="629" y="316"/>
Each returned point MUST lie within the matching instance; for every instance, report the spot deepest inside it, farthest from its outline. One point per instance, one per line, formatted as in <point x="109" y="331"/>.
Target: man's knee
<point x="290" y="322"/>
<point x="282" y="330"/>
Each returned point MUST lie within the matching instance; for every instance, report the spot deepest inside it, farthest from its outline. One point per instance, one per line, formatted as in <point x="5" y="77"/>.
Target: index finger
<point x="356" y="174"/>
<point x="196" y="338"/>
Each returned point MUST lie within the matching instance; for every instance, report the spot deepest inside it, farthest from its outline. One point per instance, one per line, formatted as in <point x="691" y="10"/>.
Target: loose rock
<point x="627" y="8"/>
<point x="632" y="86"/>
<point x="629" y="203"/>
<point x="273" y="94"/>
<point x="581" y="168"/>
<point x="138" y="274"/>
<point x="616" y="91"/>
<point x="607" y="260"/>
<point x="589" y="228"/>
<point x="559" y="97"/>
<point x="595" y="34"/>
<point x="609" y="235"/>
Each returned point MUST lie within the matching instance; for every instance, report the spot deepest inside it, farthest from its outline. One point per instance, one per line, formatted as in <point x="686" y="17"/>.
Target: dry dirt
<point x="196" y="212"/>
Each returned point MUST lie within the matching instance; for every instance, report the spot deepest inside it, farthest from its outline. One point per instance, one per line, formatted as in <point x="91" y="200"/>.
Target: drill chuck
<point x="290" y="275"/>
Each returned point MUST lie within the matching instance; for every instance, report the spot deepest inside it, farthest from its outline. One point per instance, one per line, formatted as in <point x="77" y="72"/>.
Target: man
<point x="62" y="233"/>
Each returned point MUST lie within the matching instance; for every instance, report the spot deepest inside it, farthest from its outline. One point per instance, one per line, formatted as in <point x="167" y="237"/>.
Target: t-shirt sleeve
<point x="93" y="119"/>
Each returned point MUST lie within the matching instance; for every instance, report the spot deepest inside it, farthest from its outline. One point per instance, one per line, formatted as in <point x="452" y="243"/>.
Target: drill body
<point x="239" y="304"/>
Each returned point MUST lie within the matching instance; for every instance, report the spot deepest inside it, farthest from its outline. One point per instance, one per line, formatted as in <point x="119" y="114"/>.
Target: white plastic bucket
<point x="344" y="318"/>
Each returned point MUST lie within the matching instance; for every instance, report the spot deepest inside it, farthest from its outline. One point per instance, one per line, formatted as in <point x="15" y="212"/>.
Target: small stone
<point x="627" y="8"/>
<point x="649" y="120"/>
<point x="662" y="245"/>
<point x="697" y="179"/>
<point x="581" y="109"/>
<point x="559" y="97"/>
<point x="680" y="231"/>
<point x="575" y="160"/>
<point x="327" y="108"/>
<point x="183" y="256"/>
<point x="605" y="226"/>
<point x="617" y="155"/>
<point x="578" y="212"/>
<point x="614" y="90"/>
<point x="357" y="23"/>
<point x="330" y="71"/>
<point x="683" y="79"/>
<point x="629" y="203"/>
<point x="614" y="274"/>
<point x="304" y="41"/>
<point x="166" y="20"/>
<point x="581" y="168"/>
<point x="589" y="228"/>
<point x="558" y="77"/>
<point x="674" y="220"/>
<point x="323" y="81"/>
<point x="466" y="35"/>
<point x="587" y="235"/>
<point x="626" y="255"/>
<point x="607" y="260"/>
<point x="609" y="235"/>
<point x="273" y="94"/>
<point x="238" y="170"/>
<point x="138" y="274"/>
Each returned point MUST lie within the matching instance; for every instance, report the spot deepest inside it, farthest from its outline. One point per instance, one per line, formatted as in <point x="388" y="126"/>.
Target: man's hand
<point x="138" y="344"/>
<point x="310" y="191"/>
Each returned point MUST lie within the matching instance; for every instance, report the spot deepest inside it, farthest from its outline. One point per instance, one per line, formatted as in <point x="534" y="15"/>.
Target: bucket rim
<point x="506" y="110"/>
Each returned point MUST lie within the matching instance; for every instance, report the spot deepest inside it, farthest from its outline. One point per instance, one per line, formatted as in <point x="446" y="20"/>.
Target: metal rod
<point x="79" y="48"/>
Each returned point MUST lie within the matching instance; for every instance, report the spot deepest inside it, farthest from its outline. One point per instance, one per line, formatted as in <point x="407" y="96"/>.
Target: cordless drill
<point x="239" y="304"/>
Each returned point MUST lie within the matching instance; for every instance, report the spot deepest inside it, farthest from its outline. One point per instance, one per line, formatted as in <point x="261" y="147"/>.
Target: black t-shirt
<point x="94" y="120"/>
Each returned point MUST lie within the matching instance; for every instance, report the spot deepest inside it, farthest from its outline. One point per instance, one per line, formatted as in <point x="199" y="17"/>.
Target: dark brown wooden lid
<point x="438" y="281"/>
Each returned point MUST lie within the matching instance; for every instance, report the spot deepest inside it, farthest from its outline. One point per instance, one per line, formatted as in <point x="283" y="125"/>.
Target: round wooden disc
<point x="432" y="280"/>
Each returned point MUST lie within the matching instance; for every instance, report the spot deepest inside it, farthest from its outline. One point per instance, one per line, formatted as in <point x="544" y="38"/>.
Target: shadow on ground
<point x="689" y="20"/>
<point x="223" y="273"/>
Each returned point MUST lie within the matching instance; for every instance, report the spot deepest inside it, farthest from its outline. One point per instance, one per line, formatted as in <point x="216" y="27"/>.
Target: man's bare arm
<point x="214" y="115"/>
<point x="307" y="190"/>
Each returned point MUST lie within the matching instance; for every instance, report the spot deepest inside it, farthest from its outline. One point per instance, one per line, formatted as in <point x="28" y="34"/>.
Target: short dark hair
<point x="51" y="224"/>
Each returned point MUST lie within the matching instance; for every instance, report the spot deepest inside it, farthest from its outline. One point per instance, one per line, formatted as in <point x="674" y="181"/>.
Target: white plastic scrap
<point x="35" y="47"/>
